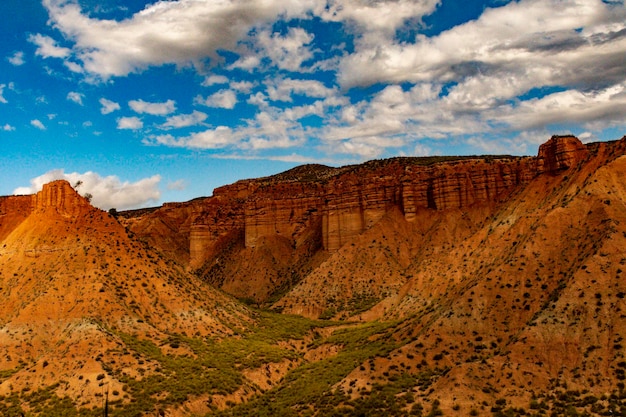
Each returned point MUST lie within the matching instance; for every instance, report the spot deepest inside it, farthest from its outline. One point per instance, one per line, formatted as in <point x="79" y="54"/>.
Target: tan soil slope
<point x="531" y="300"/>
<point x="71" y="279"/>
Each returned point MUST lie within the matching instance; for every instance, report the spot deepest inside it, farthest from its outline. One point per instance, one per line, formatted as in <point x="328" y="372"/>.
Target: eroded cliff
<point x="318" y="207"/>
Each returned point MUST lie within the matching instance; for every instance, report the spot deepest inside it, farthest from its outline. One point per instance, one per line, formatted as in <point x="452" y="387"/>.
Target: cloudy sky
<point x="153" y="101"/>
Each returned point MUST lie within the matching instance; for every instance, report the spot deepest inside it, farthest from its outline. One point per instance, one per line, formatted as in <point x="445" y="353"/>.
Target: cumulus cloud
<point x="130" y="123"/>
<point x="37" y="124"/>
<point x="8" y="128"/>
<point x="185" y="120"/>
<point x="472" y="79"/>
<point x="2" y="99"/>
<point x="214" y="79"/>
<point x="75" y="97"/>
<point x="108" y="106"/>
<point x="242" y="86"/>
<point x="527" y="64"/>
<point x="164" y="32"/>
<point x="17" y="59"/>
<point x="218" y="138"/>
<point x="271" y="128"/>
<point x="155" y="109"/>
<point x="107" y="192"/>
<point x="225" y="99"/>
<point x="286" y="52"/>
<point x="514" y="42"/>
<point x="607" y="104"/>
<point x="385" y="16"/>
<point x="282" y="90"/>
<point x="48" y="48"/>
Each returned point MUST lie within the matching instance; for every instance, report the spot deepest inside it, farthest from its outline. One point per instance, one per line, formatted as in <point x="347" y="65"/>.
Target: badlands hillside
<point x="409" y="286"/>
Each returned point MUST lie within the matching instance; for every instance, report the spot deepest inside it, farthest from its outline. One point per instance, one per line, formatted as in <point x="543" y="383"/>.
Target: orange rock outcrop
<point x="13" y="211"/>
<point x="340" y="203"/>
<point x="559" y="153"/>
<point x="350" y="201"/>
<point x="61" y="197"/>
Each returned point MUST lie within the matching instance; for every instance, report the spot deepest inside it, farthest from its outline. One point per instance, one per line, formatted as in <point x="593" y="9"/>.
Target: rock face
<point x="559" y="153"/>
<point x="351" y="201"/>
<point x="61" y="197"/>
<point x="323" y="207"/>
<point x="58" y="196"/>
<point x="13" y="211"/>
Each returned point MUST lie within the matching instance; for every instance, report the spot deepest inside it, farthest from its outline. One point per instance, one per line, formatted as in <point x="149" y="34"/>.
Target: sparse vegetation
<point x="441" y="306"/>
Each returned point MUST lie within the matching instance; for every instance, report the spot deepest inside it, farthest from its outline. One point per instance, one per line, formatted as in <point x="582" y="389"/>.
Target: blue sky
<point x="147" y="102"/>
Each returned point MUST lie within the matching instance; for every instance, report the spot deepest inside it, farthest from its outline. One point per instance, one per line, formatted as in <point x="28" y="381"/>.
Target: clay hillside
<point x="457" y="286"/>
<point x="81" y="301"/>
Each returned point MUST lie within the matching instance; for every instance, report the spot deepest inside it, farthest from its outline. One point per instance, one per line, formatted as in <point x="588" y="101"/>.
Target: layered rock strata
<point x="353" y="201"/>
<point x="340" y="203"/>
<point x="559" y="153"/>
<point x="60" y="196"/>
<point x="13" y="211"/>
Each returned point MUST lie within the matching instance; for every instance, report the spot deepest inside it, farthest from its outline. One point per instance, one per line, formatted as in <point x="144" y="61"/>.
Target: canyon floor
<point x="457" y="286"/>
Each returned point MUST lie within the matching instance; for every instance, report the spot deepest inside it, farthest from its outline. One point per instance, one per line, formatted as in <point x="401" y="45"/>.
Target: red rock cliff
<point x="340" y="203"/>
<point x="61" y="197"/>
<point x="350" y="200"/>
<point x="559" y="153"/>
<point x="13" y="211"/>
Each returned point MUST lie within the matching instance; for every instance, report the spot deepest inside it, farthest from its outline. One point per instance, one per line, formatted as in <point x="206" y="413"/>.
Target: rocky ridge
<point x="314" y="207"/>
<point x="75" y="285"/>
<point x="464" y="287"/>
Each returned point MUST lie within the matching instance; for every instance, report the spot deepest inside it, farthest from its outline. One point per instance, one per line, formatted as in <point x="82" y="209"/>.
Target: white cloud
<point x="574" y="106"/>
<point x="131" y="123"/>
<point x="164" y="32"/>
<point x="48" y="48"/>
<point x="271" y="128"/>
<point x="8" y="128"/>
<point x="178" y="185"/>
<point x="247" y="62"/>
<point x="108" y="106"/>
<point x="473" y="80"/>
<point x="287" y="52"/>
<point x="218" y="138"/>
<point x="382" y="16"/>
<point x="214" y="79"/>
<point x="242" y="86"/>
<point x="75" y="97"/>
<point x="17" y="59"/>
<point x="37" y="123"/>
<point x="503" y="42"/>
<point x="74" y="67"/>
<point x="185" y="120"/>
<point x="2" y="99"/>
<point x="225" y="99"/>
<point x="282" y="90"/>
<point x="155" y="109"/>
<point x="470" y="80"/>
<point x="107" y="191"/>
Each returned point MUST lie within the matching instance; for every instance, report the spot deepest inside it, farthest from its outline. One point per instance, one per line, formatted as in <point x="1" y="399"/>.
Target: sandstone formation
<point x="58" y="196"/>
<point x="559" y="153"/>
<point x="61" y="197"/>
<point x="466" y="286"/>
<point x="73" y="284"/>
<point x="13" y="211"/>
<point x="324" y="207"/>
